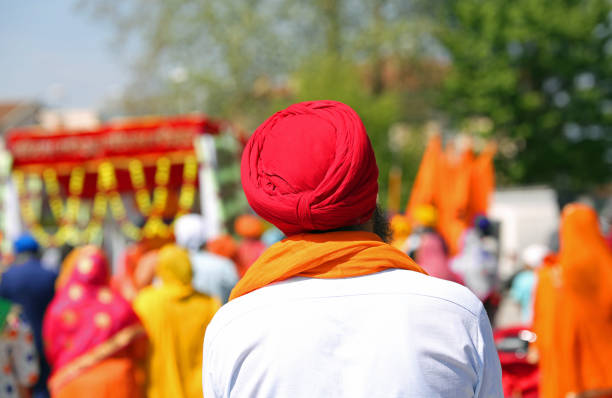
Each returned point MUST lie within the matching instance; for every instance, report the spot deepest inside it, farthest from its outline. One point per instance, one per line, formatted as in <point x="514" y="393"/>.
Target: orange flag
<point x="482" y="182"/>
<point x="453" y="195"/>
<point x="425" y="185"/>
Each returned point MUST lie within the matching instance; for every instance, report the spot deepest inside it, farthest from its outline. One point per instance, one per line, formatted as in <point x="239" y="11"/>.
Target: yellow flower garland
<point x="107" y="195"/>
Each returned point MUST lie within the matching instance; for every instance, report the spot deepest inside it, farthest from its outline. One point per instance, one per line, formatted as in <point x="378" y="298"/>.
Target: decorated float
<point x="139" y="174"/>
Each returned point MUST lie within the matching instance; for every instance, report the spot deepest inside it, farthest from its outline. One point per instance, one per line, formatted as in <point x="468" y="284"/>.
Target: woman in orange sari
<point x="93" y="338"/>
<point x="585" y="321"/>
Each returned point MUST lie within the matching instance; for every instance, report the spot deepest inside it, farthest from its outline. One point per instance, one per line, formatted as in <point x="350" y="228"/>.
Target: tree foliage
<point x="541" y="71"/>
<point x="244" y="60"/>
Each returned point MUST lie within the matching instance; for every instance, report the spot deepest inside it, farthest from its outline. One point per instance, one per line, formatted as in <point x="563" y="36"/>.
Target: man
<point x="175" y="317"/>
<point x="333" y="311"/>
<point x="213" y="274"/>
<point x="523" y="284"/>
<point x="31" y="286"/>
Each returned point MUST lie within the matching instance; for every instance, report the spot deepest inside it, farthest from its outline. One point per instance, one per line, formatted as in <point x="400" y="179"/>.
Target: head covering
<point x="586" y="294"/>
<point x="248" y="226"/>
<point x="87" y="321"/>
<point x="223" y="245"/>
<point x="189" y="231"/>
<point x="311" y="167"/>
<point x="400" y="225"/>
<point x="174" y="267"/>
<point x="426" y="216"/>
<point x="66" y="268"/>
<point x="533" y="255"/>
<point x="483" y="224"/>
<point x="26" y="243"/>
<point x="175" y="318"/>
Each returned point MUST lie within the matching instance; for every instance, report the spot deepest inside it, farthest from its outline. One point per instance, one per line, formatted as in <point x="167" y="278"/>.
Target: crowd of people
<point x="352" y="303"/>
<point x="84" y="330"/>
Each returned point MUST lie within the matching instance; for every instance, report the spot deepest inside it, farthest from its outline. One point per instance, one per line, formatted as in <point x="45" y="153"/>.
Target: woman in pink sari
<point x="94" y="340"/>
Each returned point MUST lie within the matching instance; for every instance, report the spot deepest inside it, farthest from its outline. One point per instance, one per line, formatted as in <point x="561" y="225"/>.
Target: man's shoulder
<point x="401" y="287"/>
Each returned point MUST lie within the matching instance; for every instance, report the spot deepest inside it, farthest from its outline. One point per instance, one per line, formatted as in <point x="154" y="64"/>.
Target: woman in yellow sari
<point x="175" y="317"/>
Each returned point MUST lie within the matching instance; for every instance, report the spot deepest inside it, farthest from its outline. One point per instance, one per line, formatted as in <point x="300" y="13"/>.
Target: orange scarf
<point x="326" y="255"/>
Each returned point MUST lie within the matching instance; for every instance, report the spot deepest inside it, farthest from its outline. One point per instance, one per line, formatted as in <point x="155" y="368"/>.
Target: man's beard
<point x="381" y="225"/>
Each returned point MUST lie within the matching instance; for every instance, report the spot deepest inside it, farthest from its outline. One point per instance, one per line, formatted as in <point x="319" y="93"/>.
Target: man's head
<point x="249" y="226"/>
<point x="174" y="266"/>
<point x="189" y="231"/>
<point x="25" y="247"/>
<point x="311" y="168"/>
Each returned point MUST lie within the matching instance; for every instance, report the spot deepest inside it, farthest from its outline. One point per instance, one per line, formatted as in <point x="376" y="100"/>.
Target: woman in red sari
<point x="93" y="338"/>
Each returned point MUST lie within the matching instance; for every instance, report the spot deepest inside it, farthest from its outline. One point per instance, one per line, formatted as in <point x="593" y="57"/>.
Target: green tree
<point x="541" y="71"/>
<point x="244" y="60"/>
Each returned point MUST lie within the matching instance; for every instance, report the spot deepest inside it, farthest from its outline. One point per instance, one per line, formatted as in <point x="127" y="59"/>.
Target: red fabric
<point x="311" y="167"/>
<point x="85" y="312"/>
<point x="248" y="252"/>
<point x="134" y="137"/>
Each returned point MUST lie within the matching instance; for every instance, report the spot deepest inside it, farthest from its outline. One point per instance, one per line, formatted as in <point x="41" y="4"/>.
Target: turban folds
<point x="311" y="167"/>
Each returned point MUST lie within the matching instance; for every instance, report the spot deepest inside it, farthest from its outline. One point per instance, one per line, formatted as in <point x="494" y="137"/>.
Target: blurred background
<point x="142" y="107"/>
<point x="534" y="75"/>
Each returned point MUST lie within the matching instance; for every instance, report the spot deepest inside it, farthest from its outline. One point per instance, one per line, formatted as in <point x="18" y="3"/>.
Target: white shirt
<point x="396" y="333"/>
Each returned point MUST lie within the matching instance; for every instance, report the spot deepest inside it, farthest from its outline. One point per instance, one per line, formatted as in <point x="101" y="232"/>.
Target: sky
<point x="53" y="53"/>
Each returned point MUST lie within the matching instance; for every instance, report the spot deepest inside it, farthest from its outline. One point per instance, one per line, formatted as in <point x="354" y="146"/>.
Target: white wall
<point x="527" y="215"/>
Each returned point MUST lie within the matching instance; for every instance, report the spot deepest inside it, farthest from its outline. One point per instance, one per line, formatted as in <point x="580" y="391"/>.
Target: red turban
<point x="311" y="167"/>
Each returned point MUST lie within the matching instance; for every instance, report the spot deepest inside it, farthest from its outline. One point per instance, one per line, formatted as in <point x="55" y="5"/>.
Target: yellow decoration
<point x="67" y="213"/>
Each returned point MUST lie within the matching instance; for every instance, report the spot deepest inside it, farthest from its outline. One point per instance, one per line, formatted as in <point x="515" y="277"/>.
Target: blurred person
<point x="477" y="263"/>
<point x="400" y="228"/>
<point x="18" y="357"/>
<point x="427" y="246"/>
<point x="584" y="323"/>
<point x="123" y="279"/>
<point x="213" y="273"/>
<point x="223" y="245"/>
<point x="136" y="267"/>
<point x="175" y="317"/>
<point x="271" y="236"/>
<point x="523" y="284"/>
<point x="144" y="273"/>
<point x="31" y="286"/>
<point x="546" y="312"/>
<point x="95" y="343"/>
<point x="250" y="229"/>
<point x="333" y="310"/>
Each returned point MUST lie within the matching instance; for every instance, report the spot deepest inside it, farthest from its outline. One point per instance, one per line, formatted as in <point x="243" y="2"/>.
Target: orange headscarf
<point x="249" y="226"/>
<point x="326" y="255"/>
<point x="223" y="245"/>
<point x="586" y="321"/>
